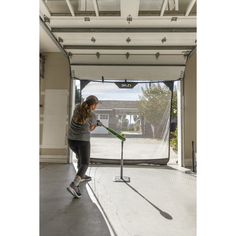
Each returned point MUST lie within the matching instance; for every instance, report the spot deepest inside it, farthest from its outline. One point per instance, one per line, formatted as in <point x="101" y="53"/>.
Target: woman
<point x="82" y="123"/>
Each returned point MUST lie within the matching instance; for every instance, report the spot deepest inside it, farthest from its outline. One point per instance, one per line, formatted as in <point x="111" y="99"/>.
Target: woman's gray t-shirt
<point x="81" y="131"/>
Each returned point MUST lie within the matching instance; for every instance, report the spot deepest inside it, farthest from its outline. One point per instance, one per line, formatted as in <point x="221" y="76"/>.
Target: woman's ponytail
<point x="83" y="111"/>
<point x="82" y="114"/>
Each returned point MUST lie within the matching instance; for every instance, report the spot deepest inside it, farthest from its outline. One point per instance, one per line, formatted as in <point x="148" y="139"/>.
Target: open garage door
<point x="121" y="40"/>
<point x="140" y="111"/>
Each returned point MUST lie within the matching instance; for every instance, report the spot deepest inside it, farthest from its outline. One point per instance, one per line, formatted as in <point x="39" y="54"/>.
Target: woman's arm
<point x="93" y="122"/>
<point x="92" y="127"/>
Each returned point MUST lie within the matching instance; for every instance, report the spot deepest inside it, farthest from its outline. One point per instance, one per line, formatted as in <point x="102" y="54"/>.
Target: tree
<point x="77" y="95"/>
<point x="174" y="132"/>
<point x="154" y="105"/>
<point x="174" y="105"/>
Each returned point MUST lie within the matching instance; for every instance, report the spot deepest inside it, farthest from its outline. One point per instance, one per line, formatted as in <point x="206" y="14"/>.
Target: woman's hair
<point x="82" y="111"/>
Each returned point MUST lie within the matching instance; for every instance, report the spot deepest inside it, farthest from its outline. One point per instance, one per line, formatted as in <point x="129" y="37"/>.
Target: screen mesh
<point x="141" y="113"/>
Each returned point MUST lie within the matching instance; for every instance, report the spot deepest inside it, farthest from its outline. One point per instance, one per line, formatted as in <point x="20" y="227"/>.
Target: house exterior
<point x="118" y="115"/>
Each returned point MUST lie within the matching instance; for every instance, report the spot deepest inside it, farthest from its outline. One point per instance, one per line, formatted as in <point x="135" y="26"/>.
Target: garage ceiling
<point x="103" y="33"/>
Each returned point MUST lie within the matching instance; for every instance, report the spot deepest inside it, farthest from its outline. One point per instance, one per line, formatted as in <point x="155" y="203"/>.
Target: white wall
<point x="54" y="111"/>
<point x="189" y="109"/>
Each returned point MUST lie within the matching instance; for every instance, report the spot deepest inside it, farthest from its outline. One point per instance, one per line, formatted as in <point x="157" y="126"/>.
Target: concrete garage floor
<point x="60" y="213"/>
<point x="157" y="201"/>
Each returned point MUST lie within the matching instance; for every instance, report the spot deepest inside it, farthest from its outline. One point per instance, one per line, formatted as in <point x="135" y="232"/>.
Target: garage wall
<point x="189" y="109"/>
<point x="54" y="108"/>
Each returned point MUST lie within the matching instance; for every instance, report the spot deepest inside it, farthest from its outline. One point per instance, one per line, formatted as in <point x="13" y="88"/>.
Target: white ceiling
<point x="114" y="32"/>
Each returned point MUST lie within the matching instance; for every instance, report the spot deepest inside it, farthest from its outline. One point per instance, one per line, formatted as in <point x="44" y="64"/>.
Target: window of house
<point x="104" y="116"/>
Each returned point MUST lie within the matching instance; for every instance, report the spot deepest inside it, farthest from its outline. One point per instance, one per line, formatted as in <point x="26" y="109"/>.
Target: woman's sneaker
<point x="86" y="178"/>
<point x="74" y="190"/>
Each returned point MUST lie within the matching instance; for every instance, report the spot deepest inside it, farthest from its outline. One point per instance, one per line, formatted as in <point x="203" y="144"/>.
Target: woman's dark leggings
<point x="82" y="150"/>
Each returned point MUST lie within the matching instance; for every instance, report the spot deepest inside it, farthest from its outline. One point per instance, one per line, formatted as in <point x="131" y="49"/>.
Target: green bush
<point x="174" y="140"/>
